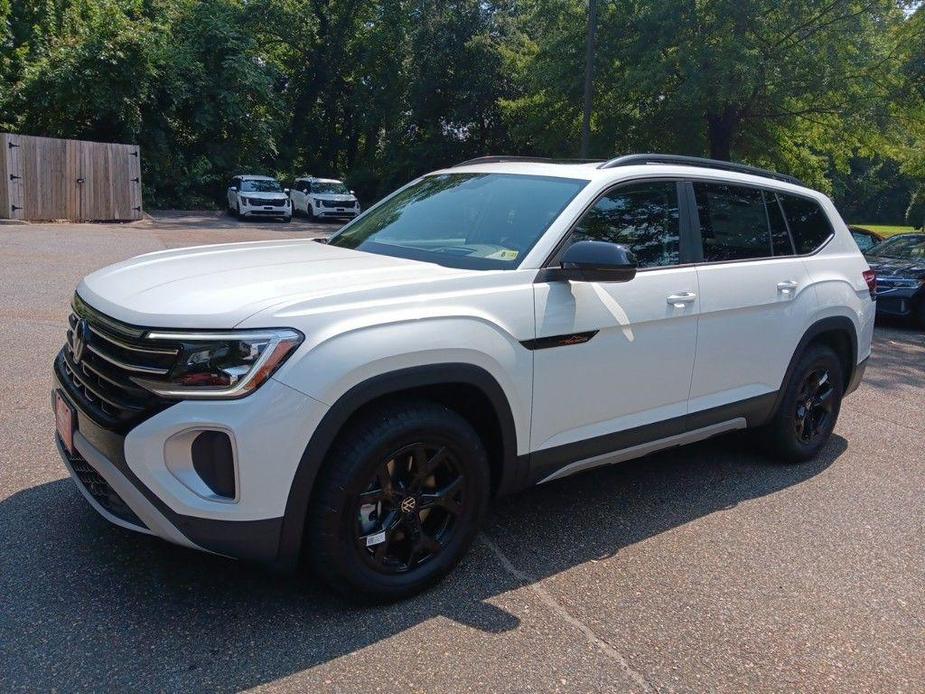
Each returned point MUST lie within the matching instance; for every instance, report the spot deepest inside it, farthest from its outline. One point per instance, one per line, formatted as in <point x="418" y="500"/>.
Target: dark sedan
<point x="900" y="266"/>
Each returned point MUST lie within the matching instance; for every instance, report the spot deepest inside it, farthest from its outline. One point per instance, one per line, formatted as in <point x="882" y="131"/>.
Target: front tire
<point x="399" y="500"/>
<point x="806" y="416"/>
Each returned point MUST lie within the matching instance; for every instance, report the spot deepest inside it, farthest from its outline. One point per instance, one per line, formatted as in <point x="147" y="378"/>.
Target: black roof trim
<point x="681" y="160"/>
<point x="497" y="159"/>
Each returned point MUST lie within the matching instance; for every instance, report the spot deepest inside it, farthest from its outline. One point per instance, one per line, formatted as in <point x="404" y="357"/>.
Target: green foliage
<point x="379" y="91"/>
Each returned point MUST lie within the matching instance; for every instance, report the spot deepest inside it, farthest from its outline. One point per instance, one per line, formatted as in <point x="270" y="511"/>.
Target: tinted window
<point x="260" y="185"/>
<point x="480" y="221"/>
<point x="780" y="237"/>
<point x="864" y="241"/>
<point x="808" y="223"/>
<point x="907" y="246"/>
<point x="733" y="222"/>
<point x="643" y="217"/>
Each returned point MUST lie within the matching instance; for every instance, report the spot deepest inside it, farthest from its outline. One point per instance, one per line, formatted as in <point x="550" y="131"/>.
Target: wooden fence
<point x="46" y="178"/>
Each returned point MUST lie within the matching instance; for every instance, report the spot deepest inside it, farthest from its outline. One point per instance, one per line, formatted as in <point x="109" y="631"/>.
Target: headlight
<point x="221" y="365"/>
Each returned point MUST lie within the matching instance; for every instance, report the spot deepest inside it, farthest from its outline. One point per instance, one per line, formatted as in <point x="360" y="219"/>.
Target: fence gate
<point x="48" y="178"/>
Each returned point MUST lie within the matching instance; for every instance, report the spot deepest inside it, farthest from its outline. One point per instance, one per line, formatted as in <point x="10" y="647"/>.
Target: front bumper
<point x="897" y="303"/>
<point x="328" y="212"/>
<point x="900" y="301"/>
<point x="277" y="212"/>
<point x="132" y="481"/>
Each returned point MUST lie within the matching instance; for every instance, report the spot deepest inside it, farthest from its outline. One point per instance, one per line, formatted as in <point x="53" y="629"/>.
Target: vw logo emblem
<point x="81" y="332"/>
<point x="408" y="504"/>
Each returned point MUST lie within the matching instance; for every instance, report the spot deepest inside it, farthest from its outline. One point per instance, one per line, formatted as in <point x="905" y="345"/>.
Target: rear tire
<point x="398" y="502"/>
<point x="807" y="413"/>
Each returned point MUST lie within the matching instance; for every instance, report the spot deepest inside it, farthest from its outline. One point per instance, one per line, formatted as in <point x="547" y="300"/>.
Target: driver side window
<point x="644" y="217"/>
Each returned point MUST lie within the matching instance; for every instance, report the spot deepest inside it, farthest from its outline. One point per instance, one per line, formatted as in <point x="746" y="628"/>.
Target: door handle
<point x="787" y="286"/>
<point x="681" y="299"/>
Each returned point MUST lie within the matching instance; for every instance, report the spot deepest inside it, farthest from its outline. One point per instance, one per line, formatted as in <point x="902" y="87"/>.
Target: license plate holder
<point x="64" y="422"/>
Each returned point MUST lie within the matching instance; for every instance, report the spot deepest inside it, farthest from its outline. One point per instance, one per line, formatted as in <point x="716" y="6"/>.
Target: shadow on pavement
<point x="897" y="355"/>
<point x="85" y="604"/>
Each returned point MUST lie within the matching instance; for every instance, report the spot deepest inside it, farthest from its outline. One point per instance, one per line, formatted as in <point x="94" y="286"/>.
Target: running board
<point x="647" y="448"/>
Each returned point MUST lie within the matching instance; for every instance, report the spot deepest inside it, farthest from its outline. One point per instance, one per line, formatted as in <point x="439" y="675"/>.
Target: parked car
<point x="487" y="327"/>
<point x="865" y="238"/>
<point x="900" y="266"/>
<point x="323" y="198"/>
<point x="258" y="196"/>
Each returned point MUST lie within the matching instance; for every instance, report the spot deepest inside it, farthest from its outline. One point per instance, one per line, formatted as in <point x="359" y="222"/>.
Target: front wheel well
<point x="467" y="400"/>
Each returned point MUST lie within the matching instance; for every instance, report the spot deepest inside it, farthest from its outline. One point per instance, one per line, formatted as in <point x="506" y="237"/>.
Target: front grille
<point x="97" y="367"/>
<point x="99" y="489"/>
<point x="268" y="203"/>
<point x="335" y="203"/>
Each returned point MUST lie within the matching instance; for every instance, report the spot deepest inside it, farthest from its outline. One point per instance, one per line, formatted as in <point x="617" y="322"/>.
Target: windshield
<point x="910" y="247"/>
<point x="260" y="186"/>
<point x="467" y="220"/>
<point x="330" y="187"/>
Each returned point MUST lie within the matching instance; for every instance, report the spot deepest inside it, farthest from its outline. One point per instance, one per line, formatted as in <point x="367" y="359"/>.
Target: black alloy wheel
<point x="397" y="502"/>
<point x="808" y="408"/>
<point x="815" y="403"/>
<point x="408" y="513"/>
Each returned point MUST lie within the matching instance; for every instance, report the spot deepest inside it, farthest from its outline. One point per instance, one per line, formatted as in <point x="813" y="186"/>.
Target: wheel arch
<point x="440" y="382"/>
<point x="836" y="332"/>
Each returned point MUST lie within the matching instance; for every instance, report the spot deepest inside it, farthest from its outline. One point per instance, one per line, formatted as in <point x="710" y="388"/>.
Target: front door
<point x="613" y="361"/>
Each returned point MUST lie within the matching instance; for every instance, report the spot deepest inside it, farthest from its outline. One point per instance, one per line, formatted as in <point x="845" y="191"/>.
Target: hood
<point x="217" y="287"/>
<point x="897" y="267"/>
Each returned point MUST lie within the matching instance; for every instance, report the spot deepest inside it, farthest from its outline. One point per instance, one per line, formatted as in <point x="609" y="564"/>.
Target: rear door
<point x="755" y="297"/>
<point x="613" y="359"/>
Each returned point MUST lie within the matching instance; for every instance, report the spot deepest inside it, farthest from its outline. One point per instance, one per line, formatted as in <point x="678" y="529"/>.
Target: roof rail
<point x="634" y="159"/>
<point x="497" y="159"/>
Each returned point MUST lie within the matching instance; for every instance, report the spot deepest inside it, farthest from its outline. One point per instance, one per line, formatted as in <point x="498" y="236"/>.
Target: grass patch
<point x="885" y="230"/>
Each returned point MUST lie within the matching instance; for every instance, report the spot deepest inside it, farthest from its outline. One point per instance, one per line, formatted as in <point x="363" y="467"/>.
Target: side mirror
<point x="598" y="261"/>
<point x="286" y="191"/>
<point x="233" y="189"/>
<point x="353" y="193"/>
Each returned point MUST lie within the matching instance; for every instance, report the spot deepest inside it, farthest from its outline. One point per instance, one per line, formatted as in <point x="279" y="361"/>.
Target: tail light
<point x="871" y="278"/>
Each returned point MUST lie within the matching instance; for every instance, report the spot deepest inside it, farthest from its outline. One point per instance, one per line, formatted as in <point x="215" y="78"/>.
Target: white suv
<point x="487" y="327"/>
<point x="258" y="196"/>
<point x="323" y="198"/>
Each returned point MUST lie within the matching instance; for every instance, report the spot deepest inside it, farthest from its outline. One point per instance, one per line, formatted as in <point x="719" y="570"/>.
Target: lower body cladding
<point x="211" y="475"/>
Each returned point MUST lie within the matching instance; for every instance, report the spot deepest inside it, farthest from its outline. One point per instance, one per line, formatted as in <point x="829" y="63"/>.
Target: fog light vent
<point x="213" y="461"/>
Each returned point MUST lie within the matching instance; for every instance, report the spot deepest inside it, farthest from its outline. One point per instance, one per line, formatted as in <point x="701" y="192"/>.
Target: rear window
<point x="809" y="225"/>
<point x="733" y="222"/>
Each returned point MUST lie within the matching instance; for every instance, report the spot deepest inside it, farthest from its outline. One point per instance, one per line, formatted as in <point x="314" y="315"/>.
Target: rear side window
<point x="809" y="225"/>
<point x="733" y="222"/>
<point x="644" y="217"/>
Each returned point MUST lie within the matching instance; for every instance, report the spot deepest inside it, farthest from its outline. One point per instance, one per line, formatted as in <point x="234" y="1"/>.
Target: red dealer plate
<point x="64" y="422"/>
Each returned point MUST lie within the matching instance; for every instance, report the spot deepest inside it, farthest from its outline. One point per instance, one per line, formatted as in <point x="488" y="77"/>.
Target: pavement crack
<point x="547" y="599"/>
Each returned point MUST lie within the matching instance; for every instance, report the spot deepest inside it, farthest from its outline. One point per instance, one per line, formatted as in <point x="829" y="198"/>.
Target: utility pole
<point x="589" y="78"/>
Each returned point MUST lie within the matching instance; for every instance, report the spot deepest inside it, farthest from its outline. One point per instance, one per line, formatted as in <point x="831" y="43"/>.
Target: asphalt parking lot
<point x="706" y="568"/>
